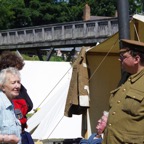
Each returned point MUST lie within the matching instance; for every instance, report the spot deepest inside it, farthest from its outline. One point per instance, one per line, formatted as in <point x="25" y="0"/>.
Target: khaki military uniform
<point x="126" y="115"/>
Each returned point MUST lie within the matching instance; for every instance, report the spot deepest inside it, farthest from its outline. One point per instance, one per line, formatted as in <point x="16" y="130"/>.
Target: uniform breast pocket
<point x="133" y="102"/>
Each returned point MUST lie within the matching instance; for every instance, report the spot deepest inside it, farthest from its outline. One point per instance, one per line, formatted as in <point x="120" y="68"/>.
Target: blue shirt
<point x="9" y="124"/>
<point x="91" y="140"/>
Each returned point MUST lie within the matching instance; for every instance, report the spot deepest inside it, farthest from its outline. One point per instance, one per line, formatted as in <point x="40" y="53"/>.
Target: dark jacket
<point x="24" y="95"/>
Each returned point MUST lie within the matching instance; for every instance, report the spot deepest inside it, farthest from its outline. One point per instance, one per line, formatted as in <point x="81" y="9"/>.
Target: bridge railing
<point x="63" y="31"/>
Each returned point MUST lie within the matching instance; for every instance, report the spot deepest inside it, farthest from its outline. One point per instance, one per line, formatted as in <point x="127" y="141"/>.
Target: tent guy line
<point x="103" y="60"/>
<point x="55" y="86"/>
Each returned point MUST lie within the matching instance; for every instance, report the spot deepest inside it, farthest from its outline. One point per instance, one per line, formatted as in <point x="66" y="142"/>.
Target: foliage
<point x="6" y="13"/>
<point x="24" y="13"/>
<point x="56" y="58"/>
<point x="35" y="58"/>
<point x="32" y="58"/>
<point x="136" y="6"/>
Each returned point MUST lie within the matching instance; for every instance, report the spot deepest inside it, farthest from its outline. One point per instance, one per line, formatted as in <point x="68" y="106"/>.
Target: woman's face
<point x="12" y="86"/>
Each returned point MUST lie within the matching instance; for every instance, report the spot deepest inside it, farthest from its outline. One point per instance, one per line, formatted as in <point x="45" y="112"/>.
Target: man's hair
<point x="134" y="53"/>
<point x="4" y="72"/>
<point x="11" y="59"/>
<point x="135" y="48"/>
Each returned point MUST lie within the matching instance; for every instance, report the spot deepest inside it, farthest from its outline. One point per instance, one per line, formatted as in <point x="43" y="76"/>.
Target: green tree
<point x="24" y="13"/>
<point x="136" y="6"/>
<point x="6" y="13"/>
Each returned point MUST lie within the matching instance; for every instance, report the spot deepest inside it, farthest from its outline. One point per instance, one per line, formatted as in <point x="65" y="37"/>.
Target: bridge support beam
<point x="39" y="55"/>
<point x="50" y="54"/>
<point x="71" y="54"/>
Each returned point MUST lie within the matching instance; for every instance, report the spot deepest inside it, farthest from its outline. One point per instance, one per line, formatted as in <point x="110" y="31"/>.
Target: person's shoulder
<point x="90" y="140"/>
<point x="23" y="87"/>
<point x="94" y="140"/>
<point x="84" y="141"/>
<point x="2" y="96"/>
<point x="4" y="101"/>
<point x="93" y="135"/>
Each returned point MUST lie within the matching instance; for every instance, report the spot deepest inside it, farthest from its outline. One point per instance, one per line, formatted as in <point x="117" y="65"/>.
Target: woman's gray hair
<point x="4" y="72"/>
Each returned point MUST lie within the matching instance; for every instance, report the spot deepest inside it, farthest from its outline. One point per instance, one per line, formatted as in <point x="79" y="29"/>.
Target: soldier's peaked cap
<point x="132" y="45"/>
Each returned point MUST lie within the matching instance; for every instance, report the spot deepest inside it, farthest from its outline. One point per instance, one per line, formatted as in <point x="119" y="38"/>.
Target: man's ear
<point x="137" y="59"/>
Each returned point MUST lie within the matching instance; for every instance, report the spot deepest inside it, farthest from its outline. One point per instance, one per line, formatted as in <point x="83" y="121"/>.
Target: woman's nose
<point x="18" y="85"/>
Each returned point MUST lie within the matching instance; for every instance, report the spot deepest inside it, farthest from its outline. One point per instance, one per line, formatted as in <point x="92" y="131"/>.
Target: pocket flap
<point x="135" y="94"/>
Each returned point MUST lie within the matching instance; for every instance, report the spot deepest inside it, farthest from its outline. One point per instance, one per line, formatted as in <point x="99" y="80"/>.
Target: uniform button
<point x="129" y="79"/>
<point x="109" y="124"/>
<point x="124" y="90"/>
<point x="118" y="101"/>
<point x="133" y="96"/>
<point x="113" y="113"/>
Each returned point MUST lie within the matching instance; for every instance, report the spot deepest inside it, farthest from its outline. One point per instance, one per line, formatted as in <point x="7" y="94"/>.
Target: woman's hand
<point x="9" y="139"/>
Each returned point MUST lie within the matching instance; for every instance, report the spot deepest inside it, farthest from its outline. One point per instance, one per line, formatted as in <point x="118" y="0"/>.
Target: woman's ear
<point x="2" y="88"/>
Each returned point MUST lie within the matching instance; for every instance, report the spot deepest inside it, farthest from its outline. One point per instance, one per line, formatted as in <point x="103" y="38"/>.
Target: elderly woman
<point x="10" y="127"/>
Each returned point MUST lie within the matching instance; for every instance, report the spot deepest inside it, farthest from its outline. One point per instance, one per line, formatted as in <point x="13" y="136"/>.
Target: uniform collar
<point x="136" y="76"/>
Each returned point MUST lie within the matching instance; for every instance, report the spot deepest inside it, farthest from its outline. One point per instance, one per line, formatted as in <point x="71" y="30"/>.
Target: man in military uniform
<point x="125" y="123"/>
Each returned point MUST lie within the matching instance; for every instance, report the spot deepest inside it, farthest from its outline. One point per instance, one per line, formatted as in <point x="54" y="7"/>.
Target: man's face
<point x="101" y="124"/>
<point x="12" y="86"/>
<point x="128" y="62"/>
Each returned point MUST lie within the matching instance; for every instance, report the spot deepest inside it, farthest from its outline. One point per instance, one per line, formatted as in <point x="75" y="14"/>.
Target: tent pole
<point x="124" y="29"/>
<point x="123" y="19"/>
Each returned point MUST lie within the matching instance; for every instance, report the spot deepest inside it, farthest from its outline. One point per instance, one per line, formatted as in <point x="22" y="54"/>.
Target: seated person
<point x="96" y="138"/>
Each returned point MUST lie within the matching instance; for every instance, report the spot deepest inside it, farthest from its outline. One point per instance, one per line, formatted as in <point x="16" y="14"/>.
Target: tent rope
<point x="55" y="127"/>
<point x="136" y="32"/>
<point x="103" y="60"/>
<point x="55" y="86"/>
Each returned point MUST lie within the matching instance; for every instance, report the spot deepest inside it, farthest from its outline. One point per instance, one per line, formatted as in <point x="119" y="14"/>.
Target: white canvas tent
<point x="47" y="84"/>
